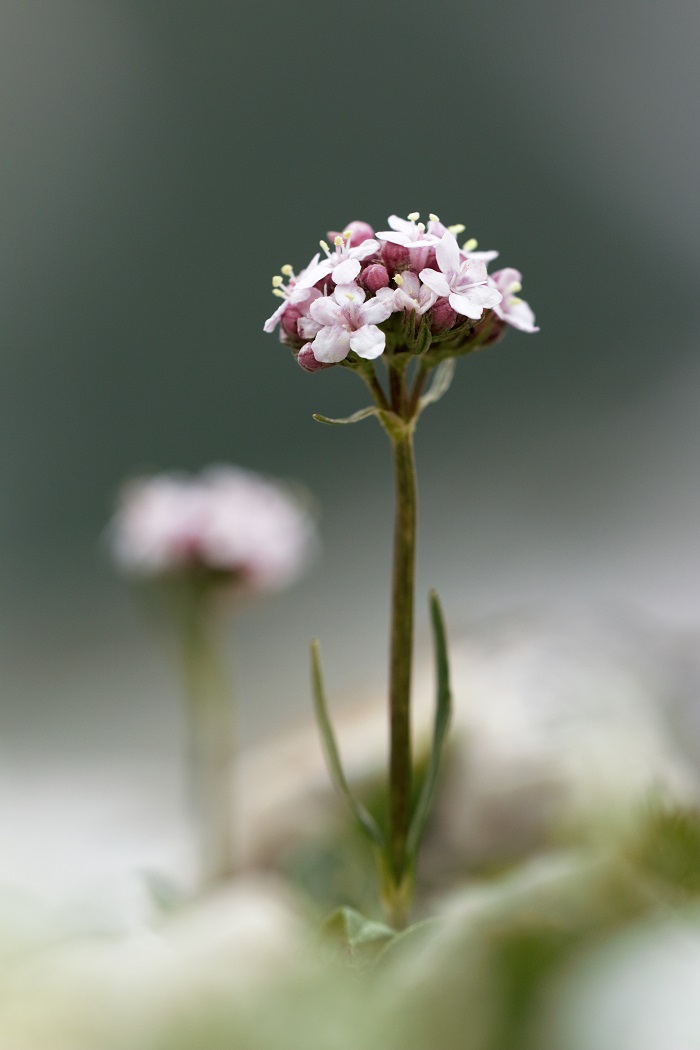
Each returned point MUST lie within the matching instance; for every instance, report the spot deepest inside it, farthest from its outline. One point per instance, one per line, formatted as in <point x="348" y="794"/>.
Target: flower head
<point x="246" y="529"/>
<point x="408" y="289"/>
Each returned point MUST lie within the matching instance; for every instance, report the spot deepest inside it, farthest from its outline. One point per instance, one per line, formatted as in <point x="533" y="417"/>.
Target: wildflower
<point x="417" y="326"/>
<point x="294" y="293"/>
<point x="343" y="264"/>
<point x="409" y="233"/>
<point x="341" y="308"/>
<point x="244" y="528"/>
<point x="463" y="281"/>
<point x="511" y="309"/>
<point x="349" y="323"/>
<point x="411" y="294"/>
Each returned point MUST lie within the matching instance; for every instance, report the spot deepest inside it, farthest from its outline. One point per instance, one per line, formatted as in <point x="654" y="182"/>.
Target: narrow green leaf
<point x="443" y="712"/>
<point x="361" y="814"/>
<point x="442" y="380"/>
<point x="363" y="413"/>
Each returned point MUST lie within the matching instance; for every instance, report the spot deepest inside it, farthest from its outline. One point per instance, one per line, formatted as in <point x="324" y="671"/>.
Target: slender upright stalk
<point x="210" y="744"/>
<point x="398" y="883"/>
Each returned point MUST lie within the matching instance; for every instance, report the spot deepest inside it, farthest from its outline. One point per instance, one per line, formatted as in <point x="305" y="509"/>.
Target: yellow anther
<point x="277" y="292"/>
<point x="414" y="216"/>
<point x="516" y="286"/>
<point x="324" y="246"/>
<point x="470" y="245"/>
<point x="433" y="218"/>
<point x="421" y="227"/>
<point x="458" y="228"/>
<point x="398" y="279"/>
<point x="349" y="295"/>
<point x="277" y="281"/>
<point x="287" y="270"/>
<point x="514" y="301"/>
<point x="347" y="234"/>
<point x="338" y="241"/>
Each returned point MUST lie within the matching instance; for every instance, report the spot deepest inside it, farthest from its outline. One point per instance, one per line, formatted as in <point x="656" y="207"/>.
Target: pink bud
<point x="289" y="321"/>
<point x="307" y="361"/>
<point x="374" y="277"/>
<point x="360" y="231"/>
<point x="394" y="256"/>
<point x="443" y="316"/>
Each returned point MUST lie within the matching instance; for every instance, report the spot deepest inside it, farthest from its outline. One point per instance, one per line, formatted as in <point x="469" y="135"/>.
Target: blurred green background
<point x="161" y="161"/>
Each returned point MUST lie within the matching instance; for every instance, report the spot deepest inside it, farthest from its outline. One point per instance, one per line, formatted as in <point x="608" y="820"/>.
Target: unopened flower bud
<point x="359" y="231"/>
<point x="289" y="320"/>
<point x="307" y="361"/>
<point x="374" y="277"/>
<point x="443" y="316"/>
<point x="394" y="256"/>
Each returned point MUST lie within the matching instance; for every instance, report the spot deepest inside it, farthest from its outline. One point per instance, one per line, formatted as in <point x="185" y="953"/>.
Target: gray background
<point x="160" y="162"/>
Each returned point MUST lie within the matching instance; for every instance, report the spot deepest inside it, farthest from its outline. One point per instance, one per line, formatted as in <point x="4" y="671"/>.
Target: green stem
<point x="211" y="752"/>
<point x="400" y="755"/>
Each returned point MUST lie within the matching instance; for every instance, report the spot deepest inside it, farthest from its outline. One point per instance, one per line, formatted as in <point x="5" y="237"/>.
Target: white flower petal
<point x="332" y="344"/>
<point x="346" y="293"/>
<point x="346" y="271"/>
<point x="326" y="311"/>
<point x="447" y="254"/>
<point x="368" y="247"/>
<point x="471" y="271"/>
<point x="484" y="295"/>
<point x="387" y="295"/>
<point x="437" y="282"/>
<point x="484" y="256"/>
<point x="368" y="342"/>
<point x="465" y="305"/>
<point x="272" y="321"/>
<point x="308" y="328"/>
<point x="314" y="274"/>
<point x="506" y="278"/>
<point x="376" y="310"/>
<point x="394" y="238"/>
<point x="410" y="282"/>
<point x="401" y="225"/>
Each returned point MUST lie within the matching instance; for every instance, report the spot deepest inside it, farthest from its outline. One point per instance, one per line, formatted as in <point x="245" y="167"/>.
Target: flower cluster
<point x="410" y="288"/>
<point x="239" y="527"/>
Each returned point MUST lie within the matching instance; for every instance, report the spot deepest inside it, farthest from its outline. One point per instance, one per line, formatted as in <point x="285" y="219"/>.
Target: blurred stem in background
<point x="210" y="744"/>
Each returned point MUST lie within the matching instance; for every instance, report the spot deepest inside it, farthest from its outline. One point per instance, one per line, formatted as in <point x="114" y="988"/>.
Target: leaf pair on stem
<point x="423" y="802"/>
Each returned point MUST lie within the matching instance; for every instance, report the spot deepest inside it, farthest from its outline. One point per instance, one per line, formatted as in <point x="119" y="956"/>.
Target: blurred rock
<point x="557" y="722"/>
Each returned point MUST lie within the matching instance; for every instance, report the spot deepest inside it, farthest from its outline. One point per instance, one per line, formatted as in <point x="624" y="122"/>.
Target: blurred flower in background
<point x="226" y="530"/>
<point x="250" y="531"/>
